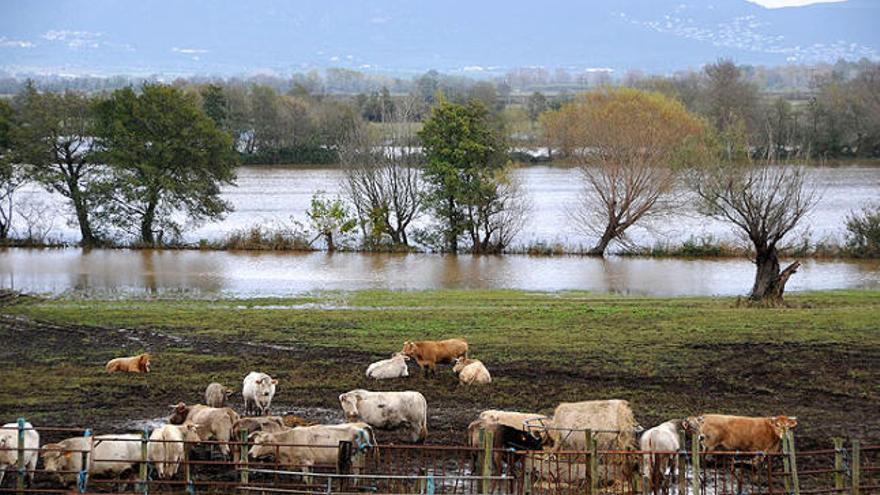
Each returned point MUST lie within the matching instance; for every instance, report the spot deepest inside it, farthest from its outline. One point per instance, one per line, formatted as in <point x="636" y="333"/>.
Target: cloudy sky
<point x="775" y="4"/>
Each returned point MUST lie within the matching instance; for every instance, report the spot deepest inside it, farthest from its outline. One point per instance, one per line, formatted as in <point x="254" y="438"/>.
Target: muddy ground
<point x="53" y="375"/>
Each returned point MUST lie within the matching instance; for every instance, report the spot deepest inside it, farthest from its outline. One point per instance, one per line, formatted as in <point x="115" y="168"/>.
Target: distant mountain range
<point x="410" y="36"/>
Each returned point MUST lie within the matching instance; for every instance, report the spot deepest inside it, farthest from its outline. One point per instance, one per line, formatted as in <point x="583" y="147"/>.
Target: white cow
<point x="388" y="411"/>
<point x="166" y="447"/>
<point x="471" y="371"/>
<point x="108" y="454"/>
<point x="9" y="448"/>
<point x="305" y="446"/>
<point x="395" y="367"/>
<point x="258" y="390"/>
<point x="661" y="439"/>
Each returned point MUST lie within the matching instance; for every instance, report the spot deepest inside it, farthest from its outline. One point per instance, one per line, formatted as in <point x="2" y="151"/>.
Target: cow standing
<point x="9" y="448"/>
<point x="740" y="433"/>
<point x="166" y="447"/>
<point x="658" y="443"/>
<point x="388" y="411"/>
<point x="216" y="395"/>
<point x="212" y="422"/>
<point x="258" y="389"/>
<point x="429" y="353"/>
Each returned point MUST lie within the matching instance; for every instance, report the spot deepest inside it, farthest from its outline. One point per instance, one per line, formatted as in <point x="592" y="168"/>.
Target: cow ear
<point x="274" y="381"/>
<point x="68" y="454"/>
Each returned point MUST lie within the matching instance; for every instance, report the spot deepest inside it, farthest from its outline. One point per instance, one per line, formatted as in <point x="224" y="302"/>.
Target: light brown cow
<point x="430" y="353"/>
<point x="740" y="433"/>
<point x="133" y="364"/>
<point x="212" y="422"/>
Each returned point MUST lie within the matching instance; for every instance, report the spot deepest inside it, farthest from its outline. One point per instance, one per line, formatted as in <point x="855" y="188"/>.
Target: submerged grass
<point x="818" y="359"/>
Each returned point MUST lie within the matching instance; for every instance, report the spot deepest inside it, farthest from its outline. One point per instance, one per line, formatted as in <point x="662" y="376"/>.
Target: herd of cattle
<point x="294" y="442"/>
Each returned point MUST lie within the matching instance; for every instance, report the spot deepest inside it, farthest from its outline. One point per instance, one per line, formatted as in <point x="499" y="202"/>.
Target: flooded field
<point x="271" y="194"/>
<point x="254" y="274"/>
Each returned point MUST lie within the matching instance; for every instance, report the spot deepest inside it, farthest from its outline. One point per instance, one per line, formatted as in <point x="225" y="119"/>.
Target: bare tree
<point x="765" y="202"/>
<point x="11" y="178"/>
<point x="382" y="177"/>
<point x="628" y="144"/>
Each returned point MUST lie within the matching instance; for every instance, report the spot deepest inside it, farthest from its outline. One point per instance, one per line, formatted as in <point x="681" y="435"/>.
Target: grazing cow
<point x="388" y="411"/>
<point x="216" y="395"/>
<point x="471" y="371"/>
<point x="395" y="367"/>
<point x="258" y="390"/>
<point x="108" y="454"/>
<point x="740" y="433"/>
<point x="429" y="353"/>
<point x="9" y="448"/>
<point x="133" y="364"/>
<point x="306" y="446"/>
<point x="660" y="440"/>
<point x="166" y="447"/>
<point x="212" y="422"/>
<point x="258" y="423"/>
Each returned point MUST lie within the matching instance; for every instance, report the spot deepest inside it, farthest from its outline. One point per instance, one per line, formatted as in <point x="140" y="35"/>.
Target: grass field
<point x="818" y="359"/>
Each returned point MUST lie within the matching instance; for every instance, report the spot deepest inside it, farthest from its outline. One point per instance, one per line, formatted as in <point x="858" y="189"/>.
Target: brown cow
<point x="133" y="364"/>
<point x="429" y="353"/>
<point x="740" y="433"/>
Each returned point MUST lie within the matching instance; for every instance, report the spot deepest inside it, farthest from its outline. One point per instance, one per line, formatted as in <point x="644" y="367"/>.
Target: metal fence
<point x="847" y="468"/>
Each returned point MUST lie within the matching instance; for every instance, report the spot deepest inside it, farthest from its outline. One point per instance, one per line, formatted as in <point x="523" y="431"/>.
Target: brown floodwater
<point x="254" y="274"/>
<point x="270" y="195"/>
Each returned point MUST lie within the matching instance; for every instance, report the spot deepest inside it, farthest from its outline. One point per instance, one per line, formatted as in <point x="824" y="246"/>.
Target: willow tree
<point x="629" y="145"/>
<point x="764" y="202"/>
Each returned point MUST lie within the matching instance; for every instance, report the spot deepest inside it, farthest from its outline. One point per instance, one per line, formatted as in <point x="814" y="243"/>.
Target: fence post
<point x="19" y="481"/>
<point x="82" y="482"/>
<point x="682" y="463"/>
<point x="145" y="472"/>
<point x="838" y="463"/>
<point x="593" y="445"/>
<point x="695" y="464"/>
<point x="795" y="482"/>
<point x="187" y="471"/>
<point x="786" y="463"/>
<point x="528" y="465"/>
<point x="244" y="474"/>
<point x="856" y="468"/>
<point x="487" y="460"/>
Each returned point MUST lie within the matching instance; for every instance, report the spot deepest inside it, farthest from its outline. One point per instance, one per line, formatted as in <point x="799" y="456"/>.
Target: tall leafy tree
<point x="466" y="159"/>
<point x="168" y="159"/>
<point x="55" y="139"/>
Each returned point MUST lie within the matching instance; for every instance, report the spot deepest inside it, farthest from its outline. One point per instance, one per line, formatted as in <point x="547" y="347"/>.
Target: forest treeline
<point x="139" y="165"/>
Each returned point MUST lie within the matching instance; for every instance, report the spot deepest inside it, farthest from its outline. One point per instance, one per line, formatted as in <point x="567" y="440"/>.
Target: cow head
<point x="349" y="402"/>
<point x="781" y="424"/>
<point x="144" y="362"/>
<point x="409" y="349"/>
<point x="227" y="392"/>
<point x="56" y="457"/>
<point x="191" y="432"/>
<point x="266" y="387"/>
<point x="179" y="412"/>
<point x="460" y="363"/>
<point x="692" y="424"/>
<point x="262" y="446"/>
<point x="400" y="355"/>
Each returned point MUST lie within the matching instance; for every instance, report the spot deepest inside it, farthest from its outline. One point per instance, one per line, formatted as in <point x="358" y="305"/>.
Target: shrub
<point x="863" y="232"/>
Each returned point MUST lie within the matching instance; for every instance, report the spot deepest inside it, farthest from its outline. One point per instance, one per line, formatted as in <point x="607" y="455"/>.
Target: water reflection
<point x="249" y="274"/>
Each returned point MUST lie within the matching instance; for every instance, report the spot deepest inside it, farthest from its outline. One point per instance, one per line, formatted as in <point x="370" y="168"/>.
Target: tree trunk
<point x="329" y="238"/>
<point x="769" y="280"/>
<point x="604" y="241"/>
<point x="82" y="218"/>
<point x="147" y="224"/>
